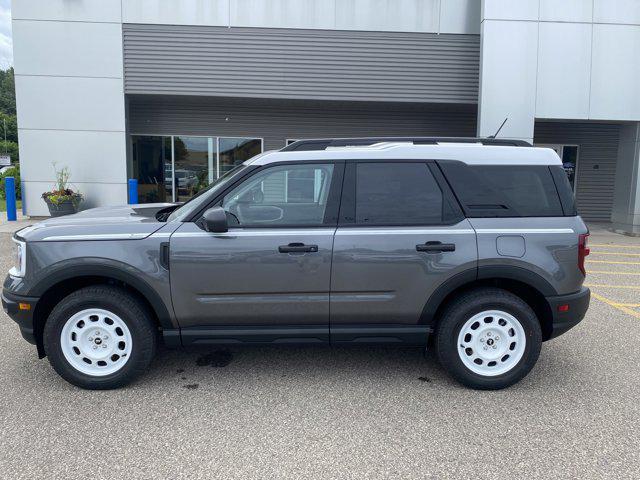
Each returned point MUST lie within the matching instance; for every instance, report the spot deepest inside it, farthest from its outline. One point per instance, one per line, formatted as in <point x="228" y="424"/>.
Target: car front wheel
<point x="488" y="339"/>
<point x="99" y="337"/>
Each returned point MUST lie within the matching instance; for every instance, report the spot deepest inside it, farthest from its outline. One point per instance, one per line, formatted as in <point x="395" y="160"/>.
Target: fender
<point x="486" y="272"/>
<point x="102" y="267"/>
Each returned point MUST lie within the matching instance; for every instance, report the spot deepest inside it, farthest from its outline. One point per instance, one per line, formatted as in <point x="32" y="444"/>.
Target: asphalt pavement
<point x="343" y="412"/>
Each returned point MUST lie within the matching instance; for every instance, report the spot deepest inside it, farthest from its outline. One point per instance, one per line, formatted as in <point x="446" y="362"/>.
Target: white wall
<point x="69" y="91"/>
<point x="550" y="59"/>
<point x="444" y="16"/>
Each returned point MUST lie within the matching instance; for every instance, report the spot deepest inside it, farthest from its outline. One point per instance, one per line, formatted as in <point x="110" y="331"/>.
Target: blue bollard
<point x="133" y="191"/>
<point x="10" y="193"/>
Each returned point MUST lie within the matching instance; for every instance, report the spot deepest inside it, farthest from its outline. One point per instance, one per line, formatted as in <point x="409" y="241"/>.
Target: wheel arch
<point x="68" y="278"/>
<point x="528" y="285"/>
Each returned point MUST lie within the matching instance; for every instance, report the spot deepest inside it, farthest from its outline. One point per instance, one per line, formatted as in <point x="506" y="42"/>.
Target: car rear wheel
<point x="488" y="339"/>
<point x="99" y="337"/>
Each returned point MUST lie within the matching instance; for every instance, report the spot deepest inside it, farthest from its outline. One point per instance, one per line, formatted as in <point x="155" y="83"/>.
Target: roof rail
<point x="323" y="143"/>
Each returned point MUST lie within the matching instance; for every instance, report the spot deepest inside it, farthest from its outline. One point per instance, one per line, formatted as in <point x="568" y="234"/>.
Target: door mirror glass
<point x="215" y="220"/>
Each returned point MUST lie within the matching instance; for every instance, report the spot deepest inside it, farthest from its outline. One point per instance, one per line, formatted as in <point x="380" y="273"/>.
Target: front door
<point x="401" y="235"/>
<point x="272" y="268"/>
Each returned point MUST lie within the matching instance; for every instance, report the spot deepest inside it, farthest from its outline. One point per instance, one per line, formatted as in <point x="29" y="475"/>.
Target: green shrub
<point x="15" y="173"/>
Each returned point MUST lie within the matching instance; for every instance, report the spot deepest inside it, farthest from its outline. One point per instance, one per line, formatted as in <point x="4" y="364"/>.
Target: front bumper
<point x="578" y="304"/>
<point x="11" y="304"/>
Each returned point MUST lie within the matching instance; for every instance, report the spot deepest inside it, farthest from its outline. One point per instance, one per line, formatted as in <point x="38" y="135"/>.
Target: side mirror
<point x="215" y="220"/>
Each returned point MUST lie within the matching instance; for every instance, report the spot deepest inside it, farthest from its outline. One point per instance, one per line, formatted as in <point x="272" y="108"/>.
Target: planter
<point x="66" y="207"/>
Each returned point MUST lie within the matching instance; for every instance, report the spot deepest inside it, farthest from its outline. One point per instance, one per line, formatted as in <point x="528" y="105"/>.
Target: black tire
<point x="129" y="309"/>
<point x="459" y="311"/>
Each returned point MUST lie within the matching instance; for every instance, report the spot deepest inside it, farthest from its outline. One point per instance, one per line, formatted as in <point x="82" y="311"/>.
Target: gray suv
<point x="472" y="246"/>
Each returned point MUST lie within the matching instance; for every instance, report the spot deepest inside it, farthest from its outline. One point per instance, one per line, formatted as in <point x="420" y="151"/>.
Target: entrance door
<point x="569" y="156"/>
<point x="400" y="237"/>
<point x="272" y="268"/>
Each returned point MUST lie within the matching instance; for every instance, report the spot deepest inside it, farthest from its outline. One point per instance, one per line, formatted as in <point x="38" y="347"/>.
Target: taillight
<point x="583" y="251"/>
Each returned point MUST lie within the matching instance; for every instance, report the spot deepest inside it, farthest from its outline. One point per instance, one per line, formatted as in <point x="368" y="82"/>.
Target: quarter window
<point x="282" y="195"/>
<point x="397" y="194"/>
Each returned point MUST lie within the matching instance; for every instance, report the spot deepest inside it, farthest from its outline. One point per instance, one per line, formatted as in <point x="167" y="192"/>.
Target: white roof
<point x="470" y="153"/>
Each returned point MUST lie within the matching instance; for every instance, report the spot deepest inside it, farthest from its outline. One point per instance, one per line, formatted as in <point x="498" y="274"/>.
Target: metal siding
<point x="310" y="64"/>
<point x="278" y="120"/>
<point x="597" y="155"/>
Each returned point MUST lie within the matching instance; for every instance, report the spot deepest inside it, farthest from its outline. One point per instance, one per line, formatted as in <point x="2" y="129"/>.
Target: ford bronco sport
<point x="471" y="244"/>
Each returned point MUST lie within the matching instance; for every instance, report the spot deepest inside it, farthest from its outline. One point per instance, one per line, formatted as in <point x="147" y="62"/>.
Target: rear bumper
<point x="23" y="317"/>
<point x="578" y="304"/>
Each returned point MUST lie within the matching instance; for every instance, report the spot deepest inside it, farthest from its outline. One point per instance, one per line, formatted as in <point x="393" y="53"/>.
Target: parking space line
<point x="612" y="273"/>
<point x="612" y="245"/>
<point x="622" y="254"/>
<point x="618" y="306"/>
<point x="613" y="262"/>
<point x="628" y="287"/>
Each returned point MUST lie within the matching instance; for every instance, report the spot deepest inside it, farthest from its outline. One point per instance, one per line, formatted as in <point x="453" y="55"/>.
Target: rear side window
<point x="565" y="191"/>
<point x="398" y="194"/>
<point x="504" y="190"/>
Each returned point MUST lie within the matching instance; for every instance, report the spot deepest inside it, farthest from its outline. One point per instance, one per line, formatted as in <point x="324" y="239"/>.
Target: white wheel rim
<point x="491" y="343"/>
<point x="96" y="342"/>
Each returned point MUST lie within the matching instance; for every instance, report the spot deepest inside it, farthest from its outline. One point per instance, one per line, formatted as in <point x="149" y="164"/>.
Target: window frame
<point x="347" y="216"/>
<point x="333" y="198"/>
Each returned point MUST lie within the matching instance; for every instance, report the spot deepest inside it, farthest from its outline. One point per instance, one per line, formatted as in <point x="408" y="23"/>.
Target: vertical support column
<point x="508" y="68"/>
<point x="625" y="215"/>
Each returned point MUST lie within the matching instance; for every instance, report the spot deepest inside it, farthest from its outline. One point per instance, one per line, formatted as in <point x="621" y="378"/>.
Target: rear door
<point x="401" y="235"/>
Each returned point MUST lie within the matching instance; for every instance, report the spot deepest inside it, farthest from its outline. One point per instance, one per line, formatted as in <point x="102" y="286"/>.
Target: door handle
<point x="436" y="247"/>
<point x="298" y="248"/>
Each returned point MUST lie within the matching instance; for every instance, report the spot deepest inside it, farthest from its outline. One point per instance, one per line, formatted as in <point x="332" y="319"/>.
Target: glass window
<point x="151" y="165"/>
<point x="196" y="163"/>
<point x="193" y="165"/>
<point x="397" y="193"/>
<point x="234" y="151"/>
<point x="504" y="191"/>
<point x="266" y="199"/>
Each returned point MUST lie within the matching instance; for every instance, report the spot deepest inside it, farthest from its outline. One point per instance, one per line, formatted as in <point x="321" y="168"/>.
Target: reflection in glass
<point x="151" y="165"/>
<point x="193" y="165"/>
<point x="234" y="151"/>
<point x="570" y="162"/>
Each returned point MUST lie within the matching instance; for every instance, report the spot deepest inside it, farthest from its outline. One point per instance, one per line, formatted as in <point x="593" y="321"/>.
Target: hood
<point x="127" y="222"/>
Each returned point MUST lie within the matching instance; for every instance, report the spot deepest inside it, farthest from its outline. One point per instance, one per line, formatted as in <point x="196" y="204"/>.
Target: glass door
<point x="193" y="165"/>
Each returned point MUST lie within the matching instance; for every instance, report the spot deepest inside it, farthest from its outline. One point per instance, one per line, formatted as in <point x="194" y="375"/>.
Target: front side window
<point x="281" y="195"/>
<point x="397" y="194"/>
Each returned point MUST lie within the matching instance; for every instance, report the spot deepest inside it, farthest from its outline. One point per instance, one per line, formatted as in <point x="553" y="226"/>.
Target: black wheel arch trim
<point x="484" y="272"/>
<point x="67" y="270"/>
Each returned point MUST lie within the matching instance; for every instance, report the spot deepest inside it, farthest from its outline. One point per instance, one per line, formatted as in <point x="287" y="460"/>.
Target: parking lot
<point x="348" y="412"/>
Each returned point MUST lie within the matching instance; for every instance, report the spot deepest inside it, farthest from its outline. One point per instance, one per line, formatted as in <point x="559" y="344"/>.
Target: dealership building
<point x="174" y="93"/>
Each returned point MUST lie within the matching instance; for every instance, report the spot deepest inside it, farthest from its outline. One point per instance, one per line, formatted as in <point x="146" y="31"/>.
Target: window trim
<point x="347" y="217"/>
<point x="333" y="199"/>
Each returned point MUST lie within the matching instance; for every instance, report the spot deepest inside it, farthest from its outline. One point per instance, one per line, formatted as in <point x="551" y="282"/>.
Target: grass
<point x="3" y="205"/>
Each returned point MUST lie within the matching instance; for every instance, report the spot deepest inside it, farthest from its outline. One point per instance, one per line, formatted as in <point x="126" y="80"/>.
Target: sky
<point x="6" y="44"/>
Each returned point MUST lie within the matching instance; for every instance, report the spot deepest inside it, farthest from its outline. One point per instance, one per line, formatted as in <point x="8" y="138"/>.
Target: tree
<point x="8" y="119"/>
<point x="7" y="92"/>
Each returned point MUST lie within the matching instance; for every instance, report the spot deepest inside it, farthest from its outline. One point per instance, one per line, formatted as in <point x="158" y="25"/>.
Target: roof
<point x="469" y="153"/>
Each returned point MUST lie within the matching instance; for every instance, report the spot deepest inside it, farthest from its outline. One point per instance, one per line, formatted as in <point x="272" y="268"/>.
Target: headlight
<point x="20" y="258"/>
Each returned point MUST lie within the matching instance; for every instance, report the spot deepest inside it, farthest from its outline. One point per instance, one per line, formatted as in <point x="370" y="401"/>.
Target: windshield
<point x="200" y="198"/>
